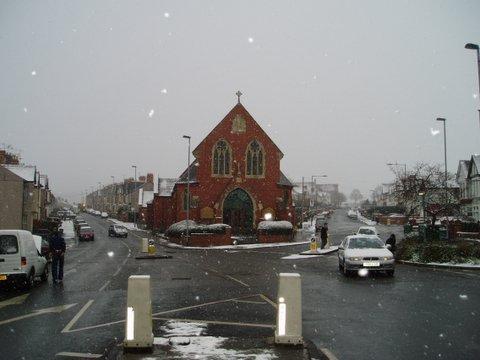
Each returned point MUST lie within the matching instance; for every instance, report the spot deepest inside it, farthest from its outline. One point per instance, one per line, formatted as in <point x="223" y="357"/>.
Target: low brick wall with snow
<point x="274" y="231"/>
<point x="204" y="239"/>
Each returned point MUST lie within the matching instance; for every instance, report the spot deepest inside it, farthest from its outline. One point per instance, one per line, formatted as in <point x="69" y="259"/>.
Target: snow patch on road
<point x="179" y="328"/>
<point x="236" y="247"/>
<point x="68" y="229"/>
<point x="128" y="225"/>
<point x="308" y="254"/>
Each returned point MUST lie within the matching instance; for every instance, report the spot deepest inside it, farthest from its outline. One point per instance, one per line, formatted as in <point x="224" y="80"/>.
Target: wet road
<point x="419" y="313"/>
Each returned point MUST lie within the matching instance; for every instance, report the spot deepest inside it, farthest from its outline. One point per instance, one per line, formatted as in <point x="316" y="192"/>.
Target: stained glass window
<point x="255" y="159"/>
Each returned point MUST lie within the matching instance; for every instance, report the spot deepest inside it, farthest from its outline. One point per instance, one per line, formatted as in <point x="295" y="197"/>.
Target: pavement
<point x="227" y="294"/>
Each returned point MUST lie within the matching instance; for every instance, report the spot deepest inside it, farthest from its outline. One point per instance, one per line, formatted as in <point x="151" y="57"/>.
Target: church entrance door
<point x="238" y="212"/>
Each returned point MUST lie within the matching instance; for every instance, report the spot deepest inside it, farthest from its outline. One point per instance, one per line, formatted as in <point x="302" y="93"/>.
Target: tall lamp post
<point x="445" y="154"/>
<point x="397" y="164"/>
<point x="114" y="194"/>
<point x="314" y="186"/>
<point x="135" y="189"/>
<point x="470" y="46"/>
<point x="188" y="187"/>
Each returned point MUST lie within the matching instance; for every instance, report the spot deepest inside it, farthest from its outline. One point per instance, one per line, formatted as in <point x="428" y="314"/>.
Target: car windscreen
<point x="366" y="232"/>
<point x="8" y="244"/>
<point x="365" y="243"/>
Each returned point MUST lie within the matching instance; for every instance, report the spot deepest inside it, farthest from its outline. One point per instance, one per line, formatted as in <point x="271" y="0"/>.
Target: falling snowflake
<point x="475" y="96"/>
<point x="150" y="114"/>
<point x="314" y="77"/>
<point x="34" y="73"/>
<point x="25" y="110"/>
<point x="167" y="15"/>
<point x="463" y="297"/>
<point x="250" y="40"/>
<point x="434" y="132"/>
<point x="197" y="298"/>
<point x="110" y="253"/>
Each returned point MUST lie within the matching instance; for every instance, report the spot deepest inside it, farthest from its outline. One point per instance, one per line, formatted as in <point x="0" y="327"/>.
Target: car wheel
<point x="390" y="273"/>
<point x="346" y="272"/>
<point x="44" y="276"/>
<point x="29" y="280"/>
<point x="340" y="266"/>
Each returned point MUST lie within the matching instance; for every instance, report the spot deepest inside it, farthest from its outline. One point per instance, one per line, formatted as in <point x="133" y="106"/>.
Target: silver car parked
<point x="360" y="254"/>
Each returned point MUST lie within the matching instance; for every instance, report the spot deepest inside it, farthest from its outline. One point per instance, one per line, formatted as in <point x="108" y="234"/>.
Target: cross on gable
<point x="238" y="93"/>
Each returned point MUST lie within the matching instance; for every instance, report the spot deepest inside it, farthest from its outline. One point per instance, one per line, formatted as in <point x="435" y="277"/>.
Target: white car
<point x="104" y="215"/>
<point x="367" y="230"/>
<point x="359" y="253"/>
<point x="20" y="258"/>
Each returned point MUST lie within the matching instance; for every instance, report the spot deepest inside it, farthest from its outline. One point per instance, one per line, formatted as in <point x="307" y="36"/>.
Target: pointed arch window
<point x="255" y="159"/>
<point x="221" y="159"/>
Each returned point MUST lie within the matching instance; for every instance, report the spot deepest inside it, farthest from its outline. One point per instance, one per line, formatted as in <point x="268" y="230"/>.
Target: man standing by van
<point x="57" y="249"/>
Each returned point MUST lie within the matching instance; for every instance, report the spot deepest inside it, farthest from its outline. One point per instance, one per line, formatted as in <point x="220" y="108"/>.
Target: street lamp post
<point x="445" y="154"/>
<point x="475" y="47"/>
<point x="135" y="189"/>
<point x="397" y="164"/>
<point x="188" y="187"/>
<point x="114" y="194"/>
<point x="314" y="186"/>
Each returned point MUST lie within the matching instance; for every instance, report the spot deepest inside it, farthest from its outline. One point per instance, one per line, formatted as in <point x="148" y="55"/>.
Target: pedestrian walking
<point x="57" y="249"/>
<point x="392" y="241"/>
<point x="324" y="235"/>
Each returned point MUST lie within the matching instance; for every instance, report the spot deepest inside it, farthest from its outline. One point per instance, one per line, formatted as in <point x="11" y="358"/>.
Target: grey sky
<point x="342" y="87"/>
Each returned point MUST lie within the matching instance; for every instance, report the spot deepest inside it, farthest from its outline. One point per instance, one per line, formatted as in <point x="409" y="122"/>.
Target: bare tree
<point x="424" y="187"/>
<point x="356" y="196"/>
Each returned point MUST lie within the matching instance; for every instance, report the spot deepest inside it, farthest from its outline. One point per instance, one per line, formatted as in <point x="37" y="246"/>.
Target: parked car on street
<point x="85" y="233"/>
<point x="358" y="252"/>
<point x="20" y="258"/>
<point x="117" y="230"/>
<point x="367" y="230"/>
<point x="104" y="215"/>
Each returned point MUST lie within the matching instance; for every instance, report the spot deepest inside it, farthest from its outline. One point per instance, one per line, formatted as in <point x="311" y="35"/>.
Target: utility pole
<point x="188" y="183"/>
<point x="134" y="207"/>
<point x="446" y="172"/>
<point x="303" y="199"/>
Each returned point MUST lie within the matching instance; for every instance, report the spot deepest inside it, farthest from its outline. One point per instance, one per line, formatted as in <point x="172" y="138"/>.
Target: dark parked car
<point x="85" y="233"/>
<point x="117" y="230"/>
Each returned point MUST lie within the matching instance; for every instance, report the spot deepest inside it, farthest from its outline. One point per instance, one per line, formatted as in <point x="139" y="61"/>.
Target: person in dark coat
<point x="392" y="241"/>
<point x="57" y="249"/>
<point x="324" y="235"/>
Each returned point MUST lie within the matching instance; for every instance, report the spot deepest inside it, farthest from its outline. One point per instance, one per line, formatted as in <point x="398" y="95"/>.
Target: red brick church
<point x="235" y="179"/>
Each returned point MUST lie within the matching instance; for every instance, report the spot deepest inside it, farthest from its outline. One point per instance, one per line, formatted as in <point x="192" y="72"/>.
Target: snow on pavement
<point x="128" y="225"/>
<point x="236" y="247"/>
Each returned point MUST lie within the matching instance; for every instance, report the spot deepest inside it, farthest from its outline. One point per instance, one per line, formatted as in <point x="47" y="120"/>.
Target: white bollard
<point x="138" y="325"/>
<point x="144" y="245"/>
<point x="289" y="312"/>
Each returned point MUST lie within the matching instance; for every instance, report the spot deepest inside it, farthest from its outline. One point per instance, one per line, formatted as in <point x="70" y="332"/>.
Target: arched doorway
<point x="238" y="211"/>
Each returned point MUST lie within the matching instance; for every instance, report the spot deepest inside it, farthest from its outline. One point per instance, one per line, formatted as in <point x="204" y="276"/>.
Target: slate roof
<point x="284" y="181"/>
<point x="27" y="173"/>
<point x="165" y="186"/>
<point x="193" y="174"/>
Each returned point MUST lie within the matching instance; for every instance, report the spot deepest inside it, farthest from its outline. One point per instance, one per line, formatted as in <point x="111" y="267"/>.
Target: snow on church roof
<point x="165" y="186"/>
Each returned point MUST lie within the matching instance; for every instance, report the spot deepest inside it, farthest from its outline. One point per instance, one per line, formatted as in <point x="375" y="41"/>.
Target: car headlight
<point x="387" y="258"/>
<point x="354" y="258"/>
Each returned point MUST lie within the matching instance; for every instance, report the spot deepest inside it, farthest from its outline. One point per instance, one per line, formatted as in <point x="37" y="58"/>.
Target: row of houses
<point x="124" y="200"/>
<point x="468" y="179"/>
<point x="25" y="197"/>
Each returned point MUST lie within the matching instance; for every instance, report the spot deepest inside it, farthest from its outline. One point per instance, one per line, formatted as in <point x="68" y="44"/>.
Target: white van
<point x="20" y="259"/>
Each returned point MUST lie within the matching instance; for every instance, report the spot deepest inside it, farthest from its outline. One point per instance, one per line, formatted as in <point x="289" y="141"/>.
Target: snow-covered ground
<point x="310" y="255"/>
<point x="186" y="342"/>
<point x="236" y="247"/>
<point x="68" y="229"/>
<point x="365" y="220"/>
<point x="128" y="225"/>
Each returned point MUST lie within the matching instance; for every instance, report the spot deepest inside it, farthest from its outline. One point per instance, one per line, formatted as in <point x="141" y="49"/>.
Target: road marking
<point x="125" y="261"/>
<point x="228" y="277"/>
<point x="267" y="299"/>
<point x="238" y="281"/>
<point x="117" y="272"/>
<point x="328" y="354"/>
<point x="79" y="355"/>
<point x="104" y="286"/>
<point x="51" y="310"/>
<point x="250" y="302"/>
<point x="96" y="326"/>
<point x="70" y="271"/>
<point x="76" y="317"/>
<point x="17" y="300"/>
<point x="217" y="322"/>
